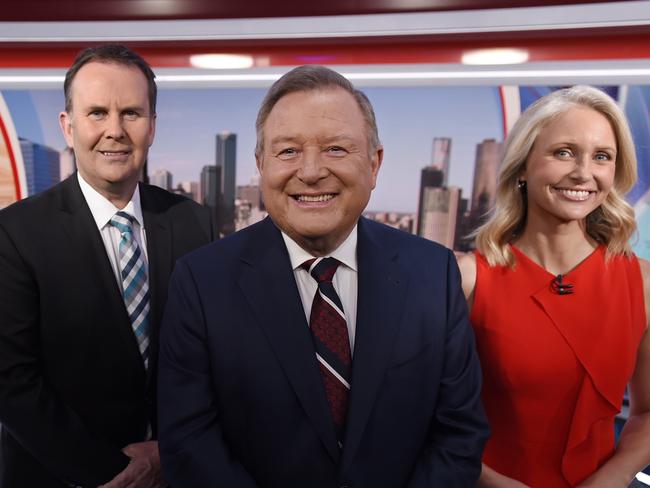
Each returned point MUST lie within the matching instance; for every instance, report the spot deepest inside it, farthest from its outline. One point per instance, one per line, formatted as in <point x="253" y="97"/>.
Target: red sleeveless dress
<point x="555" y="367"/>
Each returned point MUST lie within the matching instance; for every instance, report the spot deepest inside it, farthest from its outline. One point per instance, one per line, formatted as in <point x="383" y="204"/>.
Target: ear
<point x="259" y="161"/>
<point x="375" y="163"/>
<point x="65" y="121"/>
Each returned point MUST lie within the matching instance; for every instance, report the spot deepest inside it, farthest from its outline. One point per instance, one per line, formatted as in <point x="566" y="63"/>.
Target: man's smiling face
<point x="110" y="126"/>
<point x="317" y="170"/>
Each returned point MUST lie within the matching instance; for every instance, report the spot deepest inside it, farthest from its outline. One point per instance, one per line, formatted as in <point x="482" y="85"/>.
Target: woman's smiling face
<point x="571" y="167"/>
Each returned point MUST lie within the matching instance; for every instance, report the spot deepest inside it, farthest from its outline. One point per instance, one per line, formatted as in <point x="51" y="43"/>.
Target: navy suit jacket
<point x="241" y="402"/>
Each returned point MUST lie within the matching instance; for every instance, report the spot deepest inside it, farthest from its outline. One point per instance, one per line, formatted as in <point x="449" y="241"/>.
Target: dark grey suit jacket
<point x="73" y="388"/>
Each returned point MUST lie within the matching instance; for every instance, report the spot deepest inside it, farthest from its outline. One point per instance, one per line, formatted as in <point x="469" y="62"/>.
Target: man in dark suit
<point x="317" y="348"/>
<point x="85" y="268"/>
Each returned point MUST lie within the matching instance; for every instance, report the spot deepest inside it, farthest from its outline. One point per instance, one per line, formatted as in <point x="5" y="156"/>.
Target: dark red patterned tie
<point x="329" y="331"/>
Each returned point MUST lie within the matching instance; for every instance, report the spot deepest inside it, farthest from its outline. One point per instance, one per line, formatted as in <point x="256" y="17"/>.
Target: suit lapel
<point x="270" y="288"/>
<point x="159" y="252"/>
<point x="86" y="243"/>
<point x="381" y="295"/>
<point x="158" y="232"/>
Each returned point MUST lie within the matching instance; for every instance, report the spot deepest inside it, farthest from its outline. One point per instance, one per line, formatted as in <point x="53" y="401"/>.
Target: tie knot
<point x="123" y="222"/>
<point x="324" y="269"/>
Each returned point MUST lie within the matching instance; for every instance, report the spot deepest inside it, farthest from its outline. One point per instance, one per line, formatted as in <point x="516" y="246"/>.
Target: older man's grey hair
<point x="308" y="78"/>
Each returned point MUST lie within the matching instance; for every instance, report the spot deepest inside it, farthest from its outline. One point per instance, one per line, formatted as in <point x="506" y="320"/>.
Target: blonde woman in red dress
<point x="558" y="301"/>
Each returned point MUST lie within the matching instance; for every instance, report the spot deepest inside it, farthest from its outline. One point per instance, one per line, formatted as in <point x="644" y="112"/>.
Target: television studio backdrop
<point x="447" y="79"/>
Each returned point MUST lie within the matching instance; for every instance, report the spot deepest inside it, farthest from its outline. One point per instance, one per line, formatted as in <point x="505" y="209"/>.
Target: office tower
<point x="486" y="168"/>
<point x="438" y="206"/>
<point x="226" y="159"/>
<point x="191" y="188"/>
<point x="67" y="163"/>
<point x="161" y="178"/>
<point x="440" y="156"/>
<point x="210" y="185"/>
<point x="41" y="166"/>
<point x="439" y="217"/>
<point x="430" y="177"/>
<point x="251" y="194"/>
<point x="464" y="241"/>
<point x="248" y="204"/>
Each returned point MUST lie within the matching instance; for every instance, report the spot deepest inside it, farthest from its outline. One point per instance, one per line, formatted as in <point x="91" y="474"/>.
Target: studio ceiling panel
<point x="86" y="10"/>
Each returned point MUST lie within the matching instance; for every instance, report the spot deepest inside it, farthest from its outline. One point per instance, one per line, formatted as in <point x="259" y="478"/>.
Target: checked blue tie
<point x="135" y="289"/>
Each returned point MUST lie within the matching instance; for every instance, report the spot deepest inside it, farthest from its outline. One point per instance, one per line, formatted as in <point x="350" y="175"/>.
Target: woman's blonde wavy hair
<point x="612" y="223"/>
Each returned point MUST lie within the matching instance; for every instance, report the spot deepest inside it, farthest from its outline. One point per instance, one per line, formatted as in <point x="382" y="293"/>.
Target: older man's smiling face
<point x="317" y="171"/>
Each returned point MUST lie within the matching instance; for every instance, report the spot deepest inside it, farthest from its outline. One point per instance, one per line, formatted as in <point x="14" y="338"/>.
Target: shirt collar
<point x="103" y="210"/>
<point x="346" y="252"/>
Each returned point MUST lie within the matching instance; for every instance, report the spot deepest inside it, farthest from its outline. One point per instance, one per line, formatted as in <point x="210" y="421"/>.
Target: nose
<point x="311" y="168"/>
<point x="582" y="169"/>
<point x="114" y="127"/>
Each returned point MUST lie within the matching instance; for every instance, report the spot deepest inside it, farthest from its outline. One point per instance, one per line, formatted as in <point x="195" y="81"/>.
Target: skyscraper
<point x="191" y="188"/>
<point x="226" y="159"/>
<point x="439" y="219"/>
<point x="430" y="177"/>
<point x="161" y="178"/>
<point x="486" y="169"/>
<point x="464" y="241"/>
<point x="41" y="166"/>
<point x="441" y="155"/>
<point x="210" y="187"/>
<point x="252" y="194"/>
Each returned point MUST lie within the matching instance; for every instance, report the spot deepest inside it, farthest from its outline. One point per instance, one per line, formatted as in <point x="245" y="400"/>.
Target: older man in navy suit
<point x="317" y="348"/>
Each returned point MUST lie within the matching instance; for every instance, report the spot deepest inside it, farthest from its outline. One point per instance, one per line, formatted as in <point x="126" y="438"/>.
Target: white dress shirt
<point x="103" y="211"/>
<point x="345" y="279"/>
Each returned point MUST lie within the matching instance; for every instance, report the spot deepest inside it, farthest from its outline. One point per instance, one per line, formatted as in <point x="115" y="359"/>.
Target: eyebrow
<point x="326" y="140"/>
<point x="281" y="139"/>
<point x="338" y="137"/>
<point x="135" y="108"/>
<point x="92" y="108"/>
<point x="573" y="144"/>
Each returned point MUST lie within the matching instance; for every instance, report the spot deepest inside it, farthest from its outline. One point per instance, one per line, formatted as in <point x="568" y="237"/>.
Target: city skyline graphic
<point x="442" y="152"/>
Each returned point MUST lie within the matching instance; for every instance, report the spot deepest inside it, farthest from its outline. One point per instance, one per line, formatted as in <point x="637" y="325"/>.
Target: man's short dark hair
<point x="308" y="78"/>
<point x="110" y="53"/>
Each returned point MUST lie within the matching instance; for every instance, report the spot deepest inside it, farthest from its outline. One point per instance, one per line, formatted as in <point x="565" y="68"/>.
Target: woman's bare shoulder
<point x="467" y="266"/>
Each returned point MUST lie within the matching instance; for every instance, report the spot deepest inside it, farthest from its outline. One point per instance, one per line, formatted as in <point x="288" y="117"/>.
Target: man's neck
<point x="119" y="194"/>
<point x="321" y="246"/>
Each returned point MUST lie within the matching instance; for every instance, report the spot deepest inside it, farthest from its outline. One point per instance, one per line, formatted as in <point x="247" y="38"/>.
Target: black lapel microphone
<point x="561" y="288"/>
